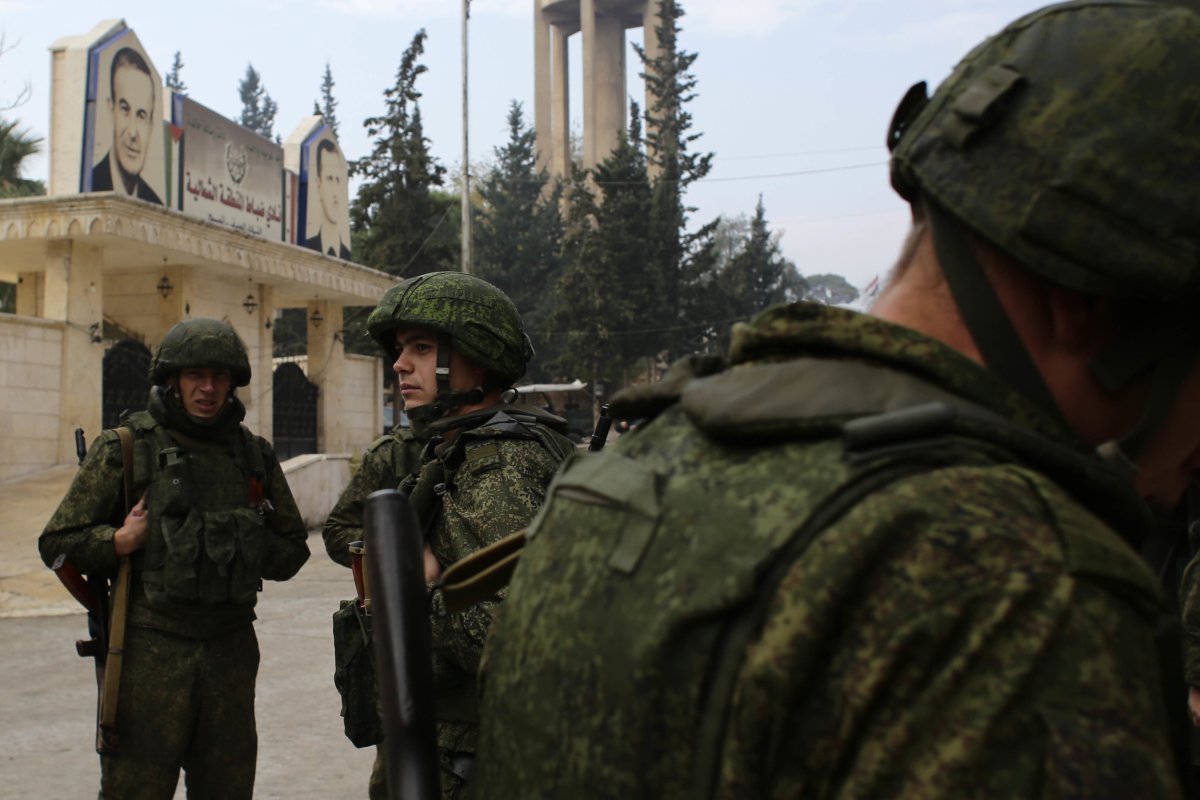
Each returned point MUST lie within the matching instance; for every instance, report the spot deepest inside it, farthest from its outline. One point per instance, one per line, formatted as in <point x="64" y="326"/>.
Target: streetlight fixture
<point x="164" y="287"/>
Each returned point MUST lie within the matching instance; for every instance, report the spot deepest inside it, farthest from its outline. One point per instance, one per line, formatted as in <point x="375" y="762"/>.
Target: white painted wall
<point x="30" y="393"/>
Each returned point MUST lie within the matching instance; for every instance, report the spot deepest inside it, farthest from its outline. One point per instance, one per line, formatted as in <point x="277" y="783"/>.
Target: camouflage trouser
<point x="185" y="703"/>
<point x="452" y="784"/>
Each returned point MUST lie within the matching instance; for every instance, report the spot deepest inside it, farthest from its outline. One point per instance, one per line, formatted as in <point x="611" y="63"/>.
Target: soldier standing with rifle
<point x="214" y="518"/>
<point x="458" y="345"/>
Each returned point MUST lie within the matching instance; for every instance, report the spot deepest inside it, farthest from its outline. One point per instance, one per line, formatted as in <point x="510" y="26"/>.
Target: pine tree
<point x="258" y="109"/>
<point x="581" y="322"/>
<point x="396" y="215"/>
<point x="175" y="77"/>
<point x="758" y="275"/>
<point x="327" y="106"/>
<point x="518" y="229"/>
<point x="671" y="87"/>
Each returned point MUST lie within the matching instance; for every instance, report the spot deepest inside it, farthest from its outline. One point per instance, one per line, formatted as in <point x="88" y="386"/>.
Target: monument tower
<point x="603" y="24"/>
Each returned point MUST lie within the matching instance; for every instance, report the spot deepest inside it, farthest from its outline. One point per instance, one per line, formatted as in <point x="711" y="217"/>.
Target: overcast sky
<point x="794" y="96"/>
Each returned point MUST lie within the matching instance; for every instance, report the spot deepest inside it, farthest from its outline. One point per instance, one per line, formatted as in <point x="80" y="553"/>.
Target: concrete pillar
<point x="327" y="369"/>
<point x="609" y="113"/>
<point x="74" y="295"/>
<point x="541" y="86"/>
<point x="560" y="121"/>
<point x="652" y="47"/>
<point x="261" y="364"/>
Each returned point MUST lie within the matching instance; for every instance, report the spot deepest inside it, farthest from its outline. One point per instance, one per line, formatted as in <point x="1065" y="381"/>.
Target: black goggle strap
<point x="984" y="315"/>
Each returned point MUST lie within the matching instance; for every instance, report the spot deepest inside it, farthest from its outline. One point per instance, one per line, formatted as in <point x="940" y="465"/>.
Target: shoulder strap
<point x="126" y="437"/>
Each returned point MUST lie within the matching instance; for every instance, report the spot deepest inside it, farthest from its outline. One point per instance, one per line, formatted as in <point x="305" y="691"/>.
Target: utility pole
<point x="466" y="154"/>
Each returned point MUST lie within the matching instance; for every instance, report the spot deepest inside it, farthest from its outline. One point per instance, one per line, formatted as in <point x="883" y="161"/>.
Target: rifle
<point x="400" y="605"/>
<point x="105" y="644"/>
<point x="600" y="435"/>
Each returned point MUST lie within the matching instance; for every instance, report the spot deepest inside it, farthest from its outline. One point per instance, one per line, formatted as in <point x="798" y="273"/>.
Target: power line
<point x="798" y="153"/>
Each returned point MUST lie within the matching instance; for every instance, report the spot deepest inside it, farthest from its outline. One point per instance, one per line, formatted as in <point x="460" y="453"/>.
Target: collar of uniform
<point x="810" y="330"/>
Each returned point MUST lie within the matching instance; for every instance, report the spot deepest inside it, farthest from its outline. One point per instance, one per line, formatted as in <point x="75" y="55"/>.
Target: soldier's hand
<point x="1194" y="705"/>
<point x="131" y="536"/>
<point x="433" y="570"/>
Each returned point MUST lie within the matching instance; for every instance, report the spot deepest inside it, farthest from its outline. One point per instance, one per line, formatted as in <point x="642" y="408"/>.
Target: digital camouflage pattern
<point x="162" y="727"/>
<point x="1090" y="177"/>
<point x="201" y="343"/>
<point x="973" y="629"/>
<point x="157" y="720"/>
<point x="482" y="321"/>
<point x="387" y="462"/>
<point x="484" y="477"/>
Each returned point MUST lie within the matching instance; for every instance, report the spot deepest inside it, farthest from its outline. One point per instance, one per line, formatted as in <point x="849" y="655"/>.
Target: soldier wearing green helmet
<point x="895" y="554"/>
<point x="213" y="517"/>
<point x="457" y="346"/>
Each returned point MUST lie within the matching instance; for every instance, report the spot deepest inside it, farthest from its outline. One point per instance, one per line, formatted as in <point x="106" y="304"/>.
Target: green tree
<point x="671" y="87"/>
<point x="757" y="275"/>
<point x="327" y="105"/>
<point x="175" y="76"/>
<point x="581" y="323"/>
<point x="396" y="218"/>
<point x="16" y="145"/>
<point x="258" y="109"/>
<point x="518" y="228"/>
<point x="833" y="290"/>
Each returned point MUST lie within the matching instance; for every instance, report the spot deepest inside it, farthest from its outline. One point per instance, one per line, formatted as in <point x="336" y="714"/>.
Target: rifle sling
<point x="106" y="739"/>
<point x="481" y="574"/>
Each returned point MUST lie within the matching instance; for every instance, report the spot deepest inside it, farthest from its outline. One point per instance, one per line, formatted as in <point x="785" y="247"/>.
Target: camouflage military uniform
<point x="190" y="665"/>
<point x="951" y="634"/>
<point x="483" y="475"/>
<point x="387" y="462"/>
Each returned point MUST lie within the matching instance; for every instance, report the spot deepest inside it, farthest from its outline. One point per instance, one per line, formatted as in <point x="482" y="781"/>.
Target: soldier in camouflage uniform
<point x="385" y="464"/>
<point x="215" y="518"/>
<point x="458" y="346"/>
<point x="894" y="554"/>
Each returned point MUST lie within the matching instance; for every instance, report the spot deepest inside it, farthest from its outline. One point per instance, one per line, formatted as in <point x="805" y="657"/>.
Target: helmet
<point x="482" y="323"/>
<point x="1071" y="142"/>
<point x="201" y="343"/>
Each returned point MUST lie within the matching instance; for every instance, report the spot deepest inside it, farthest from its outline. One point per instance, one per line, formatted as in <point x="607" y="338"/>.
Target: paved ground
<point x="48" y="694"/>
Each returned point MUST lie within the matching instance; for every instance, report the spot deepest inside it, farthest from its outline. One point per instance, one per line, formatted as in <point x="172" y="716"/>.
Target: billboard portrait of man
<point x="327" y="228"/>
<point x="133" y="109"/>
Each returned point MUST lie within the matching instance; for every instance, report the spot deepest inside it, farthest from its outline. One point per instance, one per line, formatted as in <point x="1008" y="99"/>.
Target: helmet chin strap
<point x="447" y="399"/>
<point x="985" y="317"/>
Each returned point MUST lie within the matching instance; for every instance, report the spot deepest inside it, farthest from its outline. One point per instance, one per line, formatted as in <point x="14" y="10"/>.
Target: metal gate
<point x="126" y="381"/>
<point x="295" y="412"/>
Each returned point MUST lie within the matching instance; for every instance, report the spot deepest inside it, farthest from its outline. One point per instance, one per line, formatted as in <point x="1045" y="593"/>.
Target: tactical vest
<point x="206" y="536"/>
<point x="738" y="525"/>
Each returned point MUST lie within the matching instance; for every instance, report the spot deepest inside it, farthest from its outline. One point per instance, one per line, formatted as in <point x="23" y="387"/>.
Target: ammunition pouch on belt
<point x="354" y="674"/>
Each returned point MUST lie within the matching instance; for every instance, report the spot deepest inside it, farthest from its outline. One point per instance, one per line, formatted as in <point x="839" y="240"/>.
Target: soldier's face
<point x="204" y="390"/>
<point x="416" y="367"/>
<point x="132" y="106"/>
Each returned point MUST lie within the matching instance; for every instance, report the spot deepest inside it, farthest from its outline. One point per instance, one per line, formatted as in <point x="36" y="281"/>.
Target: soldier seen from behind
<point x="895" y="554"/>
<point x="215" y="517"/>
<point x="458" y="347"/>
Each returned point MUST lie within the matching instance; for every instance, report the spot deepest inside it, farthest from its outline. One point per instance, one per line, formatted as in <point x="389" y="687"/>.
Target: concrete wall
<point x="363" y="403"/>
<point x="316" y="481"/>
<point x="30" y="393"/>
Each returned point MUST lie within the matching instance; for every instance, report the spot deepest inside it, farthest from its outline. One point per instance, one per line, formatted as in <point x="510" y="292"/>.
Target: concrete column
<point x="261" y="365"/>
<point x="74" y="295"/>
<point x="652" y="48"/>
<point x="587" y="23"/>
<point x="541" y="86"/>
<point x="560" y="121"/>
<point x="327" y="369"/>
<point x="609" y="112"/>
